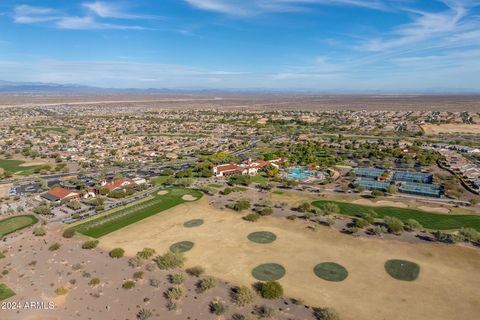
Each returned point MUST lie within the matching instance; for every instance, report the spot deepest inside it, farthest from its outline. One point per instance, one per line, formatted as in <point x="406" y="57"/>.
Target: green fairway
<point x="181" y="247"/>
<point x="330" y="271"/>
<point x="259" y="179"/>
<point x="429" y="220"/>
<point x="402" y="270"/>
<point x="5" y="292"/>
<point x="262" y="237"/>
<point x="16" y="223"/>
<point x="215" y="185"/>
<point x="268" y="272"/>
<point x="15" y="167"/>
<point x="106" y="224"/>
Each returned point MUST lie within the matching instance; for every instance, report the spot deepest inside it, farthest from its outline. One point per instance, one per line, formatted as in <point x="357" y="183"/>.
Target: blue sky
<point x="325" y="45"/>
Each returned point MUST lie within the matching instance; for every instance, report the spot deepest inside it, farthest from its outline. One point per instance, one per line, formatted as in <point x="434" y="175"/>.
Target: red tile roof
<point x="62" y="193"/>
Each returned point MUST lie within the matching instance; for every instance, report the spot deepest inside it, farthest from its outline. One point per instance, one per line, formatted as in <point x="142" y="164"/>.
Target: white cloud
<point x="26" y="14"/>
<point x="113" y="10"/>
<point x="253" y="7"/>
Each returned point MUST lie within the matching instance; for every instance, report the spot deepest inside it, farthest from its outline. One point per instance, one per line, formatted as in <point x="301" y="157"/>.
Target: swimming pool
<point x="299" y="173"/>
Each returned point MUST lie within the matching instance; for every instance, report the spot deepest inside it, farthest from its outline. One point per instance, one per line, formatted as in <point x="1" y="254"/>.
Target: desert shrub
<point x="61" y="291"/>
<point x="172" y="305"/>
<point x="325" y="314"/>
<point x="90" y="244"/>
<point x="264" y="311"/>
<point x="361" y="223"/>
<point x="470" y="234"/>
<point x="135" y="262"/>
<point x="252" y="217"/>
<point x="271" y="290"/>
<point x="146" y="253"/>
<point x="329" y="221"/>
<point x="116" y="253"/>
<point x="54" y="246"/>
<point x="206" y="284"/>
<point x="377" y="193"/>
<point x="175" y="293"/>
<point x="170" y="260"/>
<point x="368" y="216"/>
<point x="196" y="271"/>
<point x="394" y="225"/>
<point x="265" y="211"/>
<point x="177" y="278"/>
<point x="413" y="225"/>
<point x="138" y="275"/>
<point x="240" y="205"/>
<point x="94" y="282"/>
<point x="42" y="210"/>
<point x="39" y="231"/>
<point x="68" y="233"/>
<point x="378" y="230"/>
<point x="446" y="237"/>
<point x="292" y="217"/>
<point x="351" y="230"/>
<point x="150" y="267"/>
<point x="144" y="314"/>
<point x="129" y="284"/>
<point x="304" y="207"/>
<point x="330" y="207"/>
<point x="243" y="295"/>
<point x="74" y="205"/>
<point x="227" y="191"/>
<point x="155" y="283"/>
<point x="218" y="308"/>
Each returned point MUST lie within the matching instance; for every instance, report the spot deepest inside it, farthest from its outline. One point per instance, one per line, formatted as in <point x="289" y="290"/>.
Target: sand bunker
<point x="188" y="197"/>
<point x="380" y="203"/>
<point x="162" y="192"/>
<point x="32" y="163"/>
<point x="434" y="209"/>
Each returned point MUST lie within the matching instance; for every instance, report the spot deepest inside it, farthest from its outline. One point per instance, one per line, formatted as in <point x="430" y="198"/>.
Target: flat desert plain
<point x="450" y="128"/>
<point x="447" y="287"/>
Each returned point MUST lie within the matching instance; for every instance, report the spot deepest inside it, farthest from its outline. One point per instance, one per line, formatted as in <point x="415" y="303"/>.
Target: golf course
<point x="19" y="167"/>
<point x="107" y="223"/>
<point x="321" y="267"/>
<point x="16" y="223"/>
<point x="429" y="220"/>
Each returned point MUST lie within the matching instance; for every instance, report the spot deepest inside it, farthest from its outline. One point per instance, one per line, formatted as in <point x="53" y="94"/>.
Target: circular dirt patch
<point x="330" y="271"/>
<point x="402" y="269"/>
<point x="193" y="223"/>
<point x="162" y="192"/>
<point x="262" y="237"/>
<point x="268" y="272"/>
<point x="188" y="197"/>
<point x="181" y="246"/>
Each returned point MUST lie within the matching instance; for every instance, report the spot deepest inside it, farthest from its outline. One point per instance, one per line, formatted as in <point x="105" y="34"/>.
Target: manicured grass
<point x="159" y="180"/>
<point x="2" y="255"/>
<point x="268" y="272"/>
<point x="16" y="223"/>
<point x="101" y="226"/>
<point x="278" y="192"/>
<point x="429" y="220"/>
<point x="402" y="269"/>
<point x="239" y="189"/>
<point x="193" y="223"/>
<point x="262" y="237"/>
<point x="183" y="246"/>
<point x="330" y="271"/>
<point x="259" y="178"/>
<point x="14" y="166"/>
<point x="5" y="292"/>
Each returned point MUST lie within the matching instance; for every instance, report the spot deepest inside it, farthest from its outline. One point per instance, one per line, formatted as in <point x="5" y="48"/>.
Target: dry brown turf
<point x="447" y="287"/>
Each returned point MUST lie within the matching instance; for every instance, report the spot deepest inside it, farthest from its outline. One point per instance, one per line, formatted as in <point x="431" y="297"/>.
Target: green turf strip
<point x="183" y="246"/>
<point x="106" y="224"/>
<point x="429" y="220"/>
<point x="12" y="224"/>
<point x="268" y="272"/>
<point x="330" y="271"/>
<point x="15" y="167"/>
<point x="5" y="292"/>
<point x="193" y="223"/>
<point x="262" y="237"/>
<point x="402" y="269"/>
